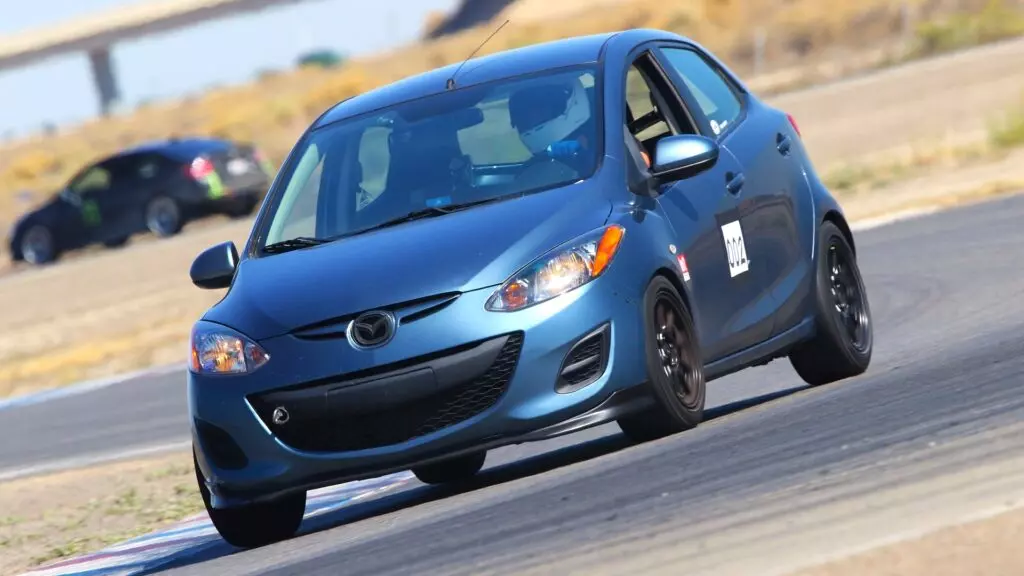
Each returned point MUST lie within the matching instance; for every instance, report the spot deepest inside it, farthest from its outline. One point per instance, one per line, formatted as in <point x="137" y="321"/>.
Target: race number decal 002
<point x="735" y="248"/>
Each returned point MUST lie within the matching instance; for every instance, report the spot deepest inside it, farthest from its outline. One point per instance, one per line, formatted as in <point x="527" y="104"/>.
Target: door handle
<point x="734" y="182"/>
<point x="782" y="143"/>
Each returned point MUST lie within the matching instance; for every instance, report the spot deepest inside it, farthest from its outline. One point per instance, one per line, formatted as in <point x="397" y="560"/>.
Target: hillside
<point x="272" y="111"/>
<point x="471" y="13"/>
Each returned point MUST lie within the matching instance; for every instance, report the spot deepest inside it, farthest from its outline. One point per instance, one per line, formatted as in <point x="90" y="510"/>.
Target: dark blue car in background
<point x="560" y="236"/>
<point x="155" y="187"/>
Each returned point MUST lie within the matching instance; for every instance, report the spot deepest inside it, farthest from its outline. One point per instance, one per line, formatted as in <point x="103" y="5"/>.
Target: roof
<point x="508" y="63"/>
<point x="181" y="148"/>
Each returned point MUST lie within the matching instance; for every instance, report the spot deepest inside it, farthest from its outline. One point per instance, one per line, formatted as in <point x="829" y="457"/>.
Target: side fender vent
<point x="586" y="361"/>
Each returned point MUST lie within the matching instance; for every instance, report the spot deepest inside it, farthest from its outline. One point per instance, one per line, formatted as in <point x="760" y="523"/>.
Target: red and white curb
<point x="196" y="534"/>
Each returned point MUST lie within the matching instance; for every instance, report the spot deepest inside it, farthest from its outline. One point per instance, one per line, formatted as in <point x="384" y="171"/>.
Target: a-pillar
<point x="105" y="79"/>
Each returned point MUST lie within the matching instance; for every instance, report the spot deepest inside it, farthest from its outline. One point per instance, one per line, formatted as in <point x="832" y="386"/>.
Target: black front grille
<point x="327" y="432"/>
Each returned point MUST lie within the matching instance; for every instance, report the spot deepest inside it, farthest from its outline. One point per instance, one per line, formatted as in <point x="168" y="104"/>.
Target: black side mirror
<point x="682" y="156"/>
<point x="70" y="197"/>
<point x="215" y="266"/>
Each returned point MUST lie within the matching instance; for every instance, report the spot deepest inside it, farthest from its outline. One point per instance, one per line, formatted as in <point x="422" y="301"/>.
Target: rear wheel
<point x="675" y="371"/>
<point x="241" y="207"/>
<point x="255" y="525"/>
<point x="163" y="217"/>
<point x="842" y="346"/>
<point x="454" y="470"/>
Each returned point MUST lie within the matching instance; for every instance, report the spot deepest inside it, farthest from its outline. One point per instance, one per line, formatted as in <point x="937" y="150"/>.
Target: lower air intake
<point x="373" y="428"/>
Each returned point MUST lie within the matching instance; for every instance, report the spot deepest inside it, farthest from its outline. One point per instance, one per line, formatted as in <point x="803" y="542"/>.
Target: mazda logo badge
<point x="371" y="329"/>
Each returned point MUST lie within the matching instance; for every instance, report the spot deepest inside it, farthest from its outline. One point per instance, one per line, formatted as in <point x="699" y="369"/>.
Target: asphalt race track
<point x="780" y="474"/>
<point x="132" y="416"/>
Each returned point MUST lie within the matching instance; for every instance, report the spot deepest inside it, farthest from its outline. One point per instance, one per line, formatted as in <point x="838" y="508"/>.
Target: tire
<point x="241" y="208"/>
<point x="675" y="369"/>
<point x="843" y="341"/>
<point x="452" y="471"/>
<point x="255" y="525"/>
<point x="38" y="246"/>
<point x="116" y="242"/>
<point x="162" y="217"/>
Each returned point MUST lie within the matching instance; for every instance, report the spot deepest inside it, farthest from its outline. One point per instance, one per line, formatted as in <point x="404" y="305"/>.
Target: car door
<point x="696" y="208"/>
<point x="761" y="140"/>
<point x="147" y="175"/>
<point x="81" y="219"/>
<point x="116" y="201"/>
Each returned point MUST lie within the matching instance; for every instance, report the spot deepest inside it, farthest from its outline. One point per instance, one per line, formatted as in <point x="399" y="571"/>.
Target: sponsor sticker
<point x="683" y="267"/>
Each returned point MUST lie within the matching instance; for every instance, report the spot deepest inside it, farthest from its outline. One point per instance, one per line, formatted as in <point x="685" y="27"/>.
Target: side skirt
<point x="763" y="353"/>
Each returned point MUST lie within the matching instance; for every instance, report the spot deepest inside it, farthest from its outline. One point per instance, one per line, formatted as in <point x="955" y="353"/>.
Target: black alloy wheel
<point x="675" y="368"/>
<point x="844" y="337"/>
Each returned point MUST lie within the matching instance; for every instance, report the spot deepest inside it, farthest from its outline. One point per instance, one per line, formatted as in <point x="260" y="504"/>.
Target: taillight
<point x="795" y="127"/>
<point x="200" y="168"/>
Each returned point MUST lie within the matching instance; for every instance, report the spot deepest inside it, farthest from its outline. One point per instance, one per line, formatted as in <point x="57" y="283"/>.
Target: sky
<point x="225" y="51"/>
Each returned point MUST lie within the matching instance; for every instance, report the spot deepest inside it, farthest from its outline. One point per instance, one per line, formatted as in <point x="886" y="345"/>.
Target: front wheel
<point x="842" y="345"/>
<point x="38" y="246"/>
<point x="675" y="370"/>
<point x="258" y="524"/>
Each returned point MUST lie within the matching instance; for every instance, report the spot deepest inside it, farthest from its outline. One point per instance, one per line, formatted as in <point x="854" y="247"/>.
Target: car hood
<point x="457" y="252"/>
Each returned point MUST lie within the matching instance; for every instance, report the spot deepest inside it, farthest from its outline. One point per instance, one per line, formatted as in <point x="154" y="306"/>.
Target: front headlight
<point x="563" y="269"/>
<point x="220" y="350"/>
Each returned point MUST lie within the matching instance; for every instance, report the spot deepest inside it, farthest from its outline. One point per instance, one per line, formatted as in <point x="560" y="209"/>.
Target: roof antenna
<point x="451" y="81"/>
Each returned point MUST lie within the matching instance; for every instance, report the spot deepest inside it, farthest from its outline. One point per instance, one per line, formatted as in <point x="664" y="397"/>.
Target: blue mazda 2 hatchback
<point x="536" y="242"/>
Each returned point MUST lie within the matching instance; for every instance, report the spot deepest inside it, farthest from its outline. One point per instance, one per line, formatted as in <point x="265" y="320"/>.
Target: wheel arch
<point x="673" y="277"/>
<point x="835" y="217"/>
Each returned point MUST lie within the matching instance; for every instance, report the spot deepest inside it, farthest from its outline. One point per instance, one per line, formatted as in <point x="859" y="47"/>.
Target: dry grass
<point x="71" y="513"/>
<point x="273" y="110"/>
<point x="852" y="178"/>
<point x="1007" y="129"/>
<point x="1005" y="133"/>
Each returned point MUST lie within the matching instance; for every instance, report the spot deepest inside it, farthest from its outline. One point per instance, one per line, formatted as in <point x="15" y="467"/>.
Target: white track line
<point x="87" y="386"/>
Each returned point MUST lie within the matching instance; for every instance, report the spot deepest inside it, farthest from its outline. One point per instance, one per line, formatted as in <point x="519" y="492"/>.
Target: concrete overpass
<point x="96" y="34"/>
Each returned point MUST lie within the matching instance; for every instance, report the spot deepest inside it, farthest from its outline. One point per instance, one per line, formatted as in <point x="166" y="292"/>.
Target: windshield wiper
<point x="293" y="244"/>
<point x="425" y="213"/>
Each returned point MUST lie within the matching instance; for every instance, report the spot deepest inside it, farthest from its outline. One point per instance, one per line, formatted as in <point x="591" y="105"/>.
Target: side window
<point x="123" y="171"/>
<point x="646" y="122"/>
<point x="94" y="179"/>
<point x="712" y="92"/>
<point x="651" y="109"/>
<point x="148" y="168"/>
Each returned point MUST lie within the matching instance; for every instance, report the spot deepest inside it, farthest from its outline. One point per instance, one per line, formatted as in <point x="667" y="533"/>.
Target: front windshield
<point x="475" y="144"/>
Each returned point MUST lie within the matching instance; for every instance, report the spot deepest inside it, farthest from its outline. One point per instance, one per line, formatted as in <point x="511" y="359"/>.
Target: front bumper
<point x="454" y="379"/>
